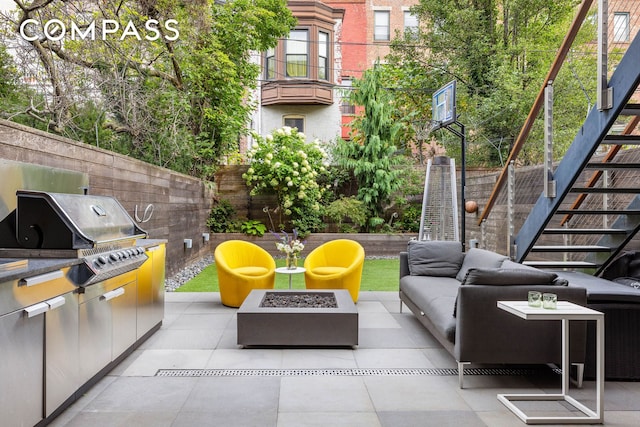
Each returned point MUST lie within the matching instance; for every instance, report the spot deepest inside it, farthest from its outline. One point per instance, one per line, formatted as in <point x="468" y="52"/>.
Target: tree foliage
<point x="177" y="102"/>
<point x="371" y="152"/>
<point x="499" y="52"/>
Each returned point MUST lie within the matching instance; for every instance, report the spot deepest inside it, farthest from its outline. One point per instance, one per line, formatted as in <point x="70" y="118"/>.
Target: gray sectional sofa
<point x="454" y="295"/>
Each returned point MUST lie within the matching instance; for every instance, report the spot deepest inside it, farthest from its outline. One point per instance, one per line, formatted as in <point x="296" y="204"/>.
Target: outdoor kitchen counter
<point x="33" y="267"/>
<point x="147" y="243"/>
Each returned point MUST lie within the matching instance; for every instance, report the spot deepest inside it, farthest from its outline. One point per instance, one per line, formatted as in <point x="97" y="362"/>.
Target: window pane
<point x="323" y="41"/>
<point x="297" y="42"/>
<point x="322" y="68"/>
<point x="271" y="63"/>
<point x="381" y="25"/>
<point x="295" y="122"/>
<point x="621" y="27"/>
<point x="323" y="49"/>
<point x="296" y="65"/>
<point x="297" y="51"/>
<point x="410" y="21"/>
<point x="346" y="107"/>
<point x="271" y="67"/>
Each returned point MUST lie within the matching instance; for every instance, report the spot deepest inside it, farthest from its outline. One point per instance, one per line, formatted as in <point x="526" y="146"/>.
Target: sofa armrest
<point x="404" y="264"/>
<point x="487" y="334"/>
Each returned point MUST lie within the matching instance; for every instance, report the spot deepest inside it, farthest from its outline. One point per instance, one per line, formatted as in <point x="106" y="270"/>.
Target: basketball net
<point x="422" y="129"/>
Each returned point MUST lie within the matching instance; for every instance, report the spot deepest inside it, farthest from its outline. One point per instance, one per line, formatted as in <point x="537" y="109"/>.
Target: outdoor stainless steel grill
<point x="96" y="229"/>
<point x="81" y="286"/>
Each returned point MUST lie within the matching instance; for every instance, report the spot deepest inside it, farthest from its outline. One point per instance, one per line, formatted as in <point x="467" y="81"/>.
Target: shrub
<point x="284" y="164"/>
<point x="348" y="208"/>
<point x="220" y="218"/>
<point x="253" y="227"/>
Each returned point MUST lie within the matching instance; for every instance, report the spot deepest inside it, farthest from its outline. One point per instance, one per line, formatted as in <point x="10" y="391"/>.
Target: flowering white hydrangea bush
<point x="285" y="164"/>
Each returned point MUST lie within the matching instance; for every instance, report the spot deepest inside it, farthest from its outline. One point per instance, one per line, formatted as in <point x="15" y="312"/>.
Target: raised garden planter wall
<point x="375" y="245"/>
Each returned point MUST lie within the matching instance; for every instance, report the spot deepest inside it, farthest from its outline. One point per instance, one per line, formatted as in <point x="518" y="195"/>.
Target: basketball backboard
<point x="443" y="108"/>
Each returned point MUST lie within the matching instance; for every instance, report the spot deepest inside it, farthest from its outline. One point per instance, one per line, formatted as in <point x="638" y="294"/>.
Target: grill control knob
<point x="97" y="264"/>
<point x="102" y="260"/>
<point x="113" y="257"/>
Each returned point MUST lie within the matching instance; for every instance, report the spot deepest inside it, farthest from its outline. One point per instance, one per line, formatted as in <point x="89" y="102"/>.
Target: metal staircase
<point x="596" y="209"/>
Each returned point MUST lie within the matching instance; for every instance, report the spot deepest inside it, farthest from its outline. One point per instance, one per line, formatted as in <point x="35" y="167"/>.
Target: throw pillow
<point x="434" y="258"/>
<point x="508" y="276"/>
<point x="479" y="258"/>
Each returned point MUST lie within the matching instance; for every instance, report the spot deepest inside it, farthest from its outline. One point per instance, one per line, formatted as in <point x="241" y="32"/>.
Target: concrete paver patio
<point x="399" y="375"/>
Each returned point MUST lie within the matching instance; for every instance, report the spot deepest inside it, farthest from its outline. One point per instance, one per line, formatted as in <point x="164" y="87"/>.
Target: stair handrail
<point x="537" y="105"/>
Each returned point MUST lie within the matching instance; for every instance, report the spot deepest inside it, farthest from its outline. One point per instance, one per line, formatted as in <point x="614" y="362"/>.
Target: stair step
<point x="561" y="264"/>
<point x="631" y="110"/>
<point x="621" y="139"/>
<point x="571" y="248"/>
<point x="584" y="231"/>
<point x="606" y="190"/>
<point x="597" y="212"/>
<point x="610" y="165"/>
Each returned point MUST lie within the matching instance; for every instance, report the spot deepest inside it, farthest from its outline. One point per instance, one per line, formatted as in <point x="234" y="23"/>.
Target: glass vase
<point x="292" y="261"/>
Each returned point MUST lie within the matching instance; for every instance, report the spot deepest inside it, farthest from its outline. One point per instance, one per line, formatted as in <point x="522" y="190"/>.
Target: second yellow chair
<point x="335" y="265"/>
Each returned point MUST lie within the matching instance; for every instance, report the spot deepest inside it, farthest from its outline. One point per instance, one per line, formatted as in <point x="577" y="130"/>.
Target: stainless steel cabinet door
<point x="61" y="350"/>
<point x="21" y="368"/>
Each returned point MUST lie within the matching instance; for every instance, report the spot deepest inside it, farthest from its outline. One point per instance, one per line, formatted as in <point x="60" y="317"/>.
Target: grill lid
<point x="71" y="221"/>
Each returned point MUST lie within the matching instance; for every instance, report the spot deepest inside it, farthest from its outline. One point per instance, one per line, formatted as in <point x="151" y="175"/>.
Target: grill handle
<point x="113" y="294"/>
<point x="41" y="278"/>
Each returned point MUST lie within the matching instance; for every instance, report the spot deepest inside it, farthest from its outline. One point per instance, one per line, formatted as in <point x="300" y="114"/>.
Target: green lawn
<point x="377" y="275"/>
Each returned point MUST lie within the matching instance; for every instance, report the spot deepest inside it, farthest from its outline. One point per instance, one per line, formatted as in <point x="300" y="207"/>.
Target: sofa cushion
<point x="602" y="290"/>
<point x="436" y="297"/>
<point x="508" y="276"/>
<point x="434" y="258"/>
<point x="479" y="258"/>
<point x="520" y="274"/>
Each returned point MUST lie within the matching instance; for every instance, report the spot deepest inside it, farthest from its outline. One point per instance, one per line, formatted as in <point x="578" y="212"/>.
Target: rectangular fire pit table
<point x="297" y="326"/>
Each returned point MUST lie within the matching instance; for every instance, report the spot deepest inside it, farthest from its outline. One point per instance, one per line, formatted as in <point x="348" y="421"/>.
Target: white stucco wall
<point x="321" y="121"/>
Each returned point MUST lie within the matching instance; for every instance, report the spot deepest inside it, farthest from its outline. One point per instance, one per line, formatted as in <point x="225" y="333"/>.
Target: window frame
<point x="378" y="27"/>
<point x="410" y="29"/>
<point x="295" y="117"/>
<point x="621" y="29"/>
<point x="290" y="42"/>
<point x="323" y="67"/>
<point x="270" y="65"/>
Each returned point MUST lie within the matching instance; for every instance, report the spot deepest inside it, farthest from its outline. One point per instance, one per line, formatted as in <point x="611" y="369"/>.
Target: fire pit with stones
<point x="279" y="318"/>
<point x="288" y="300"/>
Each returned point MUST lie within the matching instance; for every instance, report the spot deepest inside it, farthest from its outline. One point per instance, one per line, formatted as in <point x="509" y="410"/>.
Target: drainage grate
<point x="357" y="372"/>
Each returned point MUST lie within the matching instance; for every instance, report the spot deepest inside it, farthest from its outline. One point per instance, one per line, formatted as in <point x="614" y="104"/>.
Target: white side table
<point x="290" y="272"/>
<point x="565" y="312"/>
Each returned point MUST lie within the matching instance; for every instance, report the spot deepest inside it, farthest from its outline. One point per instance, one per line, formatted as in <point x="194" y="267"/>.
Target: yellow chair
<point x="335" y="265"/>
<point x="241" y="267"/>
